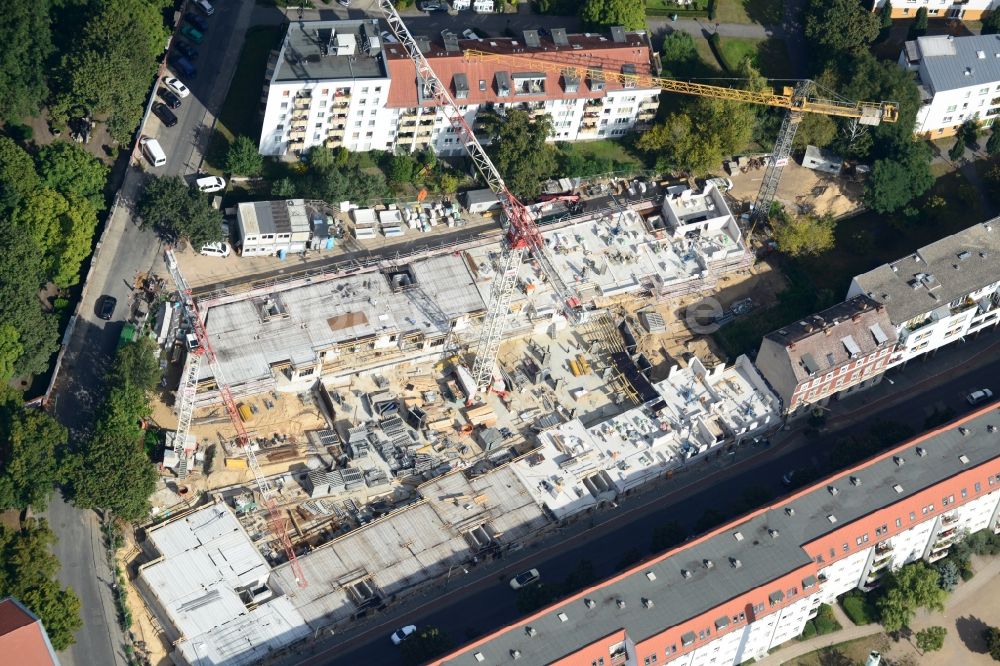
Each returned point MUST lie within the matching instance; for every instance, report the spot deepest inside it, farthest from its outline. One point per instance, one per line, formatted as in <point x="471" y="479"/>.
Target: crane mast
<point x="276" y="522"/>
<point x="523" y="235"/>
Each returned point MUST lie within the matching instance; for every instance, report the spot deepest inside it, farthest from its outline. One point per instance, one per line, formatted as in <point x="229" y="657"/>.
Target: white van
<point x="153" y="152"/>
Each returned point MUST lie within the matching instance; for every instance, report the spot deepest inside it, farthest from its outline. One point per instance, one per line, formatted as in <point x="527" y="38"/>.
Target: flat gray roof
<point x="936" y="274"/>
<point x="959" y="62"/>
<point x="763" y="558"/>
<point x="308" y="53"/>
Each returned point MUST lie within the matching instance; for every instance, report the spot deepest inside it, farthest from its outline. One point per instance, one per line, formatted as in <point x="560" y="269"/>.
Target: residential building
<point x="23" y="639"/>
<point x="959" y="81"/>
<point x="208" y="588"/>
<point x="842" y="349"/>
<point x="969" y="10"/>
<point x="941" y="293"/>
<point x="575" y="467"/>
<point x="747" y="587"/>
<point x="274" y="227"/>
<point x="335" y="84"/>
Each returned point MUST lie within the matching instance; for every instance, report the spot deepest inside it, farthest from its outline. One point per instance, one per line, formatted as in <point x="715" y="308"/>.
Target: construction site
<point x="335" y="440"/>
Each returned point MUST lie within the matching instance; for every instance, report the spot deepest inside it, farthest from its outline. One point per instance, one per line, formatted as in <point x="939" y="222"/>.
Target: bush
<point x="808" y="631"/>
<point x="825" y="621"/>
<point x="858" y="607"/>
<point x="712" y="8"/>
<point x="992" y="637"/>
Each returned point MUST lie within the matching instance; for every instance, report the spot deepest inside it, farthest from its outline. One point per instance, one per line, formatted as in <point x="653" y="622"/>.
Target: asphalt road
<point x="487" y="604"/>
<point x="126" y="251"/>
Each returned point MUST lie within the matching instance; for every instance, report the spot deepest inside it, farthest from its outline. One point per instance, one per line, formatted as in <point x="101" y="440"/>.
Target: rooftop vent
<point x="735" y="563"/>
<point x="789" y="511"/>
<point x="832" y="518"/>
<point x="921" y="451"/>
<point x="833" y="490"/>
<point x="898" y="488"/>
<point x="589" y="603"/>
<point x="738" y="536"/>
<point x="707" y="563"/>
<point x="685" y="573"/>
<point x="773" y="533"/>
<point x="964" y="431"/>
<point x="563" y="617"/>
<point x="991" y="428"/>
<point x="515" y="654"/>
<point x="964" y="254"/>
<point x="855" y="481"/>
<point x="964" y="459"/>
<point x="531" y="631"/>
<point x="898" y="460"/>
<point x="650" y="575"/>
<point x="647" y="603"/>
<point x="479" y="656"/>
<point x="981" y="55"/>
<point x="968" y="71"/>
<point x="620" y="602"/>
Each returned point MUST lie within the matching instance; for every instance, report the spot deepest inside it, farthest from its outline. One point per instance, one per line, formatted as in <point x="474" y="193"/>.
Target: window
<point x="322" y="104"/>
<point x="899" y="522"/>
<point x="319" y="125"/>
<point x="286" y="93"/>
<point x="965" y="493"/>
<point x="913" y="516"/>
<point x="978" y="487"/>
<point x="284" y="105"/>
<point x="946" y="119"/>
<point x="847" y="547"/>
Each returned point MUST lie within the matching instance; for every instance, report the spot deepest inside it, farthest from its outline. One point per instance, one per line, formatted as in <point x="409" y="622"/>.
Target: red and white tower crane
<point x="522" y="235"/>
<point x="276" y="521"/>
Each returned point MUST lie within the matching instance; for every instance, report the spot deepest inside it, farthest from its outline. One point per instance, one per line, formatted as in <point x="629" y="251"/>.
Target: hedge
<point x="715" y="41"/>
<point x="680" y="13"/>
<point x="857" y="607"/>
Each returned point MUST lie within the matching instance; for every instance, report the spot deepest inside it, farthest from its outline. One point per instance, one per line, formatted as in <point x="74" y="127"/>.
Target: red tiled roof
<point x="22" y="638"/>
<point x="583" y="50"/>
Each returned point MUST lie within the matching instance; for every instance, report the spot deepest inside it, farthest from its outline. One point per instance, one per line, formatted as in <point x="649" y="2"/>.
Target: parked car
<point x="445" y="34"/>
<point x="170" y="99"/>
<point x="210" y="184"/>
<point x="106" y="307"/>
<point x="979" y="397"/>
<point x="402" y="634"/>
<point x="205" y="6"/>
<point x="388" y="37"/>
<point x="468" y="33"/>
<point x="220" y="249"/>
<point x="788" y="477"/>
<point x="721" y="184"/>
<point x="431" y="6"/>
<point x="525" y="578"/>
<point x="175" y="86"/>
<point x="197" y="21"/>
<point x="186" y="50"/>
<point x="183" y="65"/>
<point x="344" y="3"/>
<point x="192" y="34"/>
<point x="165" y="115"/>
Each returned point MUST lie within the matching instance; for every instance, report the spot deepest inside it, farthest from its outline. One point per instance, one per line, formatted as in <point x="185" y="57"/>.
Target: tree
<point x="27" y="455"/>
<point x="678" y="53"/>
<point x="70" y="170"/>
<point x="519" y="150"/>
<point x="27" y="572"/>
<point x="919" y="26"/>
<point x="178" y="210"/>
<point x="815" y="130"/>
<point x="957" y="150"/>
<point x="931" y="639"/>
<point x="896" y="182"/>
<point x="283" y="188"/>
<point x="401" y="169"/>
<point x="63" y="227"/>
<point x="243" y="159"/>
<point x="605" y="13"/>
<point x="10" y="351"/>
<point x="912" y="587"/>
<point x="447" y="183"/>
<point x="991" y="635"/>
<point x="968" y="133"/>
<point x="27" y="40"/>
<point x="840" y="26"/>
<point x="425" y="644"/>
<point x="948" y="574"/>
<point x="17" y="174"/>
<point x="885" y="15"/>
<point x="136" y="364"/>
<point x="804" y="235"/>
<point x="991" y="23"/>
<point x="993" y="143"/>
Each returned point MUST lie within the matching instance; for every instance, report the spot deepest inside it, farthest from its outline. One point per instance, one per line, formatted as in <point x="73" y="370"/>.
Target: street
<point x="486" y="602"/>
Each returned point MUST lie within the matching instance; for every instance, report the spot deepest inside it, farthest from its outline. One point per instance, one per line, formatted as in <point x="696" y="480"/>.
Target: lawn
<point x="768" y="55"/>
<point x="849" y="652"/>
<point x="239" y="113"/>
<point x="765" y="12"/>
<point x="587" y="158"/>
<point x="735" y="49"/>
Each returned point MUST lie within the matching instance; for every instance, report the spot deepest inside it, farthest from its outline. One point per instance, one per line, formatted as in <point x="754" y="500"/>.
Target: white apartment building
<point x="940" y="293"/>
<point x="336" y="84"/>
<point x="749" y="586"/>
<point x="959" y="81"/>
<point x="969" y="10"/>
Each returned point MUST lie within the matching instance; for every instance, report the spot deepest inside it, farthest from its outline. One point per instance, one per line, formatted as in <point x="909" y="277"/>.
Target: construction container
<point x="584" y="365"/>
<point x="245" y="412"/>
<point x="236" y="463"/>
<point x="574" y="367"/>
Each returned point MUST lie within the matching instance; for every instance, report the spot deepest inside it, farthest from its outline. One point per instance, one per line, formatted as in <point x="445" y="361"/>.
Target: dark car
<point x="165" y="115"/>
<point x="186" y="50"/>
<point x="106" y="307"/>
<point x="170" y="99"/>
<point x="431" y="6"/>
<point x="183" y="65"/>
<point x="199" y="22"/>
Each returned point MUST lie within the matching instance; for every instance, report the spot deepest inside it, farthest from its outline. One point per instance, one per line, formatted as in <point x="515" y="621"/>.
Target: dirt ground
<point x="803" y="190"/>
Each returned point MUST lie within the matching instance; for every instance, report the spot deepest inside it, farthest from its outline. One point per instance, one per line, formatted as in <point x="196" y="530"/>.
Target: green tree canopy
<point x="178" y="210"/>
<point x="885" y="15"/>
<point x="136" y="364"/>
<point x="919" y="26"/>
<point x="804" y="235"/>
<point x="931" y="639"/>
<point x="27" y="572"/>
<point x="427" y="643"/>
<point x="10" y="351"/>
<point x="63" y="228"/>
<point x="993" y="143"/>
<point x="992" y="637"/>
<point x="896" y="182"/>
<point x="839" y="26"/>
<point x="519" y="150"/>
<point x="27" y="43"/>
<point x="29" y="439"/>
<point x="70" y="170"/>
<point x="904" y="591"/>
<point x="17" y="174"/>
<point x="283" y="188"/>
<point x="629" y="14"/>
<point x="401" y="169"/>
<point x="243" y="158"/>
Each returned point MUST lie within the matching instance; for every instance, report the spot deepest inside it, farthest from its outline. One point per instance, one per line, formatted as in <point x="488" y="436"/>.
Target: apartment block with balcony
<point x="959" y="81"/>
<point x="328" y="88"/>
<point x="740" y="591"/>
<point x="941" y="293"/>
<point x="968" y="10"/>
<point x="842" y="349"/>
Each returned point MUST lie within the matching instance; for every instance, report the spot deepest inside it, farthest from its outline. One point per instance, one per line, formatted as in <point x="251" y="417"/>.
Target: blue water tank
<point x="329" y="243"/>
<point x="281" y="254"/>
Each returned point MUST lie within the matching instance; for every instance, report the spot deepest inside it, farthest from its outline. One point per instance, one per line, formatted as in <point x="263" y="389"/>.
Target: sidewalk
<point x="983" y="585"/>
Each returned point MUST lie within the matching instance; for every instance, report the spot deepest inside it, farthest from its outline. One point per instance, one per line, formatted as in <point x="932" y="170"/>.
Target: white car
<point x="210" y="183"/>
<point x="176" y="86"/>
<point x="402" y="634"/>
<point x="388" y="37"/>
<point x="721" y="184"/>
<point x="220" y="249"/>
<point x="468" y="33"/>
<point x="977" y="397"/>
<point x="525" y="578"/>
<point x="205" y="6"/>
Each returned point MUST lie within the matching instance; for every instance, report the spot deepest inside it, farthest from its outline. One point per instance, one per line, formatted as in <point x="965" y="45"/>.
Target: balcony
<point x="296" y="117"/>
<point x="949" y="519"/>
<point x="650" y="105"/>
<point x="619" y="657"/>
<point x="967" y="304"/>
<point x="301" y="104"/>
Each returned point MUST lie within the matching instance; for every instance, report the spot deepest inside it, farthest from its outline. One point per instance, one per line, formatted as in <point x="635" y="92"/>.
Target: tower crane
<point x="276" y="522"/>
<point x="522" y="236"/>
<point x="797" y="99"/>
